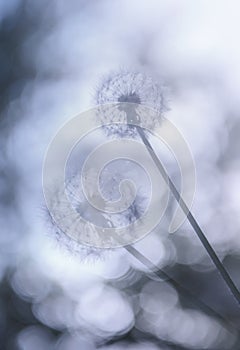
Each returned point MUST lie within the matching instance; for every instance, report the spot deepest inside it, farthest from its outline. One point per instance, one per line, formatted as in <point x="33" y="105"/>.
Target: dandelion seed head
<point x="75" y="247"/>
<point x="119" y="97"/>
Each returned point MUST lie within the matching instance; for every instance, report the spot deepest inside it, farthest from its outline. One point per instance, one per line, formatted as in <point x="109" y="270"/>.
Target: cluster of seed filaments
<point x="129" y="88"/>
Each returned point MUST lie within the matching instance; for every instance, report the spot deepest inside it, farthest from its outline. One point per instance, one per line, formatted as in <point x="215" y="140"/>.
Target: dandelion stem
<point x="212" y="254"/>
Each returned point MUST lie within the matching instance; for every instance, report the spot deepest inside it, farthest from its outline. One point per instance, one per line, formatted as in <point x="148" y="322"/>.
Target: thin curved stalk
<point x="212" y="254"/>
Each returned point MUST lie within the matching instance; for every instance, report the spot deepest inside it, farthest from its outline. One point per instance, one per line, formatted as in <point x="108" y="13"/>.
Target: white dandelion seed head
<point x="87" y="231"/>
<point x="119" y="96"/>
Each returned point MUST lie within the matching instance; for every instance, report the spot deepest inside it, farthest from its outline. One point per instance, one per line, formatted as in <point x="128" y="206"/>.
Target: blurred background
<point x="54" y="294"/>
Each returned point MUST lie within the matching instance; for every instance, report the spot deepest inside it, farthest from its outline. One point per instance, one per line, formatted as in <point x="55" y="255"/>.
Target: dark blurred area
<point x="16" y="24"/>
